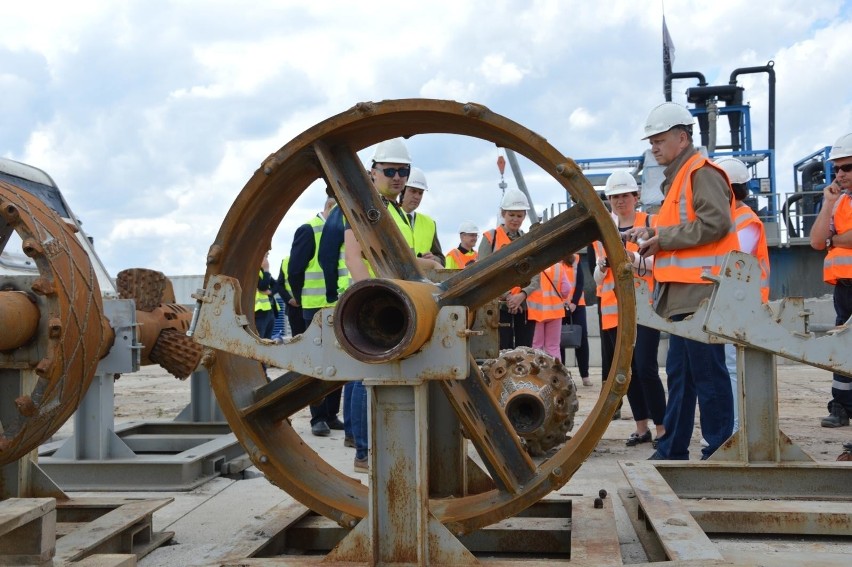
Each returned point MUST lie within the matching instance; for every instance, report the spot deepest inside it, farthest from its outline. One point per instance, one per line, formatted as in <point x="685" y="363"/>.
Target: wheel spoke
<point x="381" y="241"/>
<point x="490" y="431"/>
<point x="516" y="263"/>
<point x="286" y="395"/>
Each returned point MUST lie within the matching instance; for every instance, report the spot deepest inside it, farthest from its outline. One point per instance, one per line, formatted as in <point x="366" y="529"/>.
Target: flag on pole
<point x="668" y="60"/>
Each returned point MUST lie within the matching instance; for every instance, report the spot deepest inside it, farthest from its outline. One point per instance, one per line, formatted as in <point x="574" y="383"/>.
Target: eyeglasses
<point x="391" y="171"/>
<point x="845" y="168"/>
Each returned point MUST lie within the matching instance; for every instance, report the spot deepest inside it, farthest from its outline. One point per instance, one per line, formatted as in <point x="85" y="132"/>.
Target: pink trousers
<point x="547" y="336"/>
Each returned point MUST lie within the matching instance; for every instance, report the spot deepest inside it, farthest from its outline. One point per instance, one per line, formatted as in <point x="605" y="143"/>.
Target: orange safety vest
<point x="744" y="217"/>
<point x="606" y="289"/>
<point x="687" y="264"/>
<point x="570" y="271"/>
<point x="457" y="260"/>
<point x="546" y="303"/>
<point x="838" y="262"/>
<point x="502" y="239"/>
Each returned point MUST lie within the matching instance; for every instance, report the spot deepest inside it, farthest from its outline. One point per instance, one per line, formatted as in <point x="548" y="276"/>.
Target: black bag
<point x="572" y="335"/>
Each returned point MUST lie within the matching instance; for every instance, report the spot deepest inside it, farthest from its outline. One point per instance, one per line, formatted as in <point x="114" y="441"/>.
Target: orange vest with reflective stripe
<point x="744" y="217"/>
<point x="502" y="239"/>
<point x="687" y="264"/>
<point x="456" y="260"/>
<point x="606" y="290"/>
<point x="838" y="262"/>
<point x="570" y="270"/>
<point x="546" y="303"/>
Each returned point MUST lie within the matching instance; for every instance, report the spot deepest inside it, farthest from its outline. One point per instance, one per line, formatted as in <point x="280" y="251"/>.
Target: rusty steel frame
<point x="328" y="151"/>
<point x="759" y="481"/>
<point x="55" y="368"/>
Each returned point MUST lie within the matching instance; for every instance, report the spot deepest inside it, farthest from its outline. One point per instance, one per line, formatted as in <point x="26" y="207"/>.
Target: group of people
<point x="701" y="219"/>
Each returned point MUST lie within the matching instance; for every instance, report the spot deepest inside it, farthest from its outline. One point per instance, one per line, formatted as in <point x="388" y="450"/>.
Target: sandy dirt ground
<point x="803" y="391"/>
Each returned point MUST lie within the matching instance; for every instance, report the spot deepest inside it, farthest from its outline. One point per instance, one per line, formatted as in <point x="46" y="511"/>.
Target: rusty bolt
<point x="330" y="371"/>
<point x="620" y="378"/>
<point x="32" y="248"/>
<point x="214" y="256"/>
<point x="557" y="472"/>
<point x="264" y="459"/>
<point x="598" y="503"/>
<point x="54" y="326"/>
<point x="25" y="406"/>
<point x="10" y="213"/>
<point x="43" y="367"/>
<point x="473" y="110"/>
<point x="365" y="107"/>
<point x="373" y="215"/>
<point x="43" y="286"/>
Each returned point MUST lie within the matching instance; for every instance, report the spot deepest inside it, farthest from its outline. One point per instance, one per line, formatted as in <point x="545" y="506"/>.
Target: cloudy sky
<point x="152" y="115"/>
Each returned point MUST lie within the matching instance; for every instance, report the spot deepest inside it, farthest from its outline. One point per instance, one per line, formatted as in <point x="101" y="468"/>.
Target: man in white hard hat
<point x="694" y="233"/>
<point x="832" y="231"/>
<point x="515" y="330"/>
<point x="464" y="254"/>
<point x="423" y="227"/>
<point x="390" y="169"/>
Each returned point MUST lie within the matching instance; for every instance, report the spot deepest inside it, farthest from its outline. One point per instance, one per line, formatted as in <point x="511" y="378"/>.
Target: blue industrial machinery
<point x="787" y="217"/>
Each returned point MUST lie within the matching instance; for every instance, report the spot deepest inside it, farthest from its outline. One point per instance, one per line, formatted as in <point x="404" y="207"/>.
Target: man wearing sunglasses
<point x="832" y="231"/>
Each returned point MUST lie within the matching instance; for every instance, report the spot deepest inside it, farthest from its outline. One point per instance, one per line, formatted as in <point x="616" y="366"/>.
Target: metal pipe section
<point x="19" y="317"/>
<point x="769" y="70"/>
<point x="381" y="320"/>
<point x="702" y="82"/>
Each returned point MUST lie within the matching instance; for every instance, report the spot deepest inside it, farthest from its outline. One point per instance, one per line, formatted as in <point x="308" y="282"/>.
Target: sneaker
<point x="587" y="381"/>
<point x="838" y="416"/>
<point x="320" y="429"/>
<point x="349" y="442"/>
<point x="361" y="466"/>
<point x="335" y="423"/>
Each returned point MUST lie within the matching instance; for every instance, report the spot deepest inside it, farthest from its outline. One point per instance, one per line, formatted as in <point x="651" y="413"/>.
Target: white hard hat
<point x="392" y="151"/>
<point x="666" y="116"/>
<point x="736" y="170"/>
<point x="467" y="227"/>
<point x="515" y="200"/>
<point x="620" y="182"/>
<point x="842" y="147"/>
<point x="417" y="179"/>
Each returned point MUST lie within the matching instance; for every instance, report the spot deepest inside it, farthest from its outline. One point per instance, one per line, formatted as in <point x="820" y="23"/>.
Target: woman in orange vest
<point x="646" y="394"/>
<point x="576" y="314"/>
<point x="752" y="237"/>
<point x="515" y="329"/>
<point x="546" y="306"/>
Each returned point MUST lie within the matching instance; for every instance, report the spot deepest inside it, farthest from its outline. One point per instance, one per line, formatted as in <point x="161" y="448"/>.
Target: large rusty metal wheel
<point x="328" y="151"/>
<point x="70" y="333"/>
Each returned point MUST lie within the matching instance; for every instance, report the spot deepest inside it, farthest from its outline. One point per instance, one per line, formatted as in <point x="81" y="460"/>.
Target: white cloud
<point x="153" y="116"/>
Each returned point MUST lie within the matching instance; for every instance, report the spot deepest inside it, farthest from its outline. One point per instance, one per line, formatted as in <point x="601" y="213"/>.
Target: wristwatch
<point x="829" y="242"/>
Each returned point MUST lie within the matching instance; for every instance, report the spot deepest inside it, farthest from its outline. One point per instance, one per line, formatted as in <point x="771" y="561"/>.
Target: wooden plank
<point x="97" y="532"/>
<point x="679" y="533"/>
<point x="15" y="512"/>
<point x="107" y="560"/>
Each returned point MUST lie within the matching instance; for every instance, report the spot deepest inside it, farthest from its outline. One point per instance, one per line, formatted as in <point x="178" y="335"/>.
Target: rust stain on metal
<point x="66" y="355"/>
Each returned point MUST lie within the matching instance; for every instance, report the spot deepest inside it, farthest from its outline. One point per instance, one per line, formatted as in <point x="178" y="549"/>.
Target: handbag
<point x="571" y="335"/>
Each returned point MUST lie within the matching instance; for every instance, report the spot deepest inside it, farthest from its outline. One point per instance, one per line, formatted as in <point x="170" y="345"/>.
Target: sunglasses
<point x="391" y="171"/>
<point x="845" y="168"/>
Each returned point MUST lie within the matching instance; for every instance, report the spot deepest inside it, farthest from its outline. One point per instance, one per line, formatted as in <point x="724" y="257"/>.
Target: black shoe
<point x="838" y="416"/>
<point x="320" y="429"/>
<point x="634" y="439"/>
<point x="335" y="423"/>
